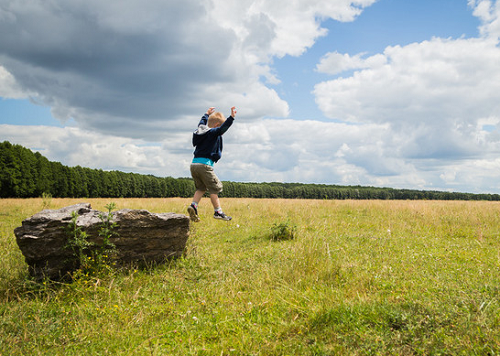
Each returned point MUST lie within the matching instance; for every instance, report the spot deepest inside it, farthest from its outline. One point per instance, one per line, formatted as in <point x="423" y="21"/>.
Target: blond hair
<point x="216" y="118"/>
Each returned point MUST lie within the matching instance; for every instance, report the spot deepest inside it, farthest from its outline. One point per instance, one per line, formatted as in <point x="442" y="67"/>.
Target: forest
<point x="28" y="174"/>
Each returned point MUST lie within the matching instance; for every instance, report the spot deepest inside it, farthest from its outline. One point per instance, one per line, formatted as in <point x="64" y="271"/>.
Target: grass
<point x="358" y="278"/>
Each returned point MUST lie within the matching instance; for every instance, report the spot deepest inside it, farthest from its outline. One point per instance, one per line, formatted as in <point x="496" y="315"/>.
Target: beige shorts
<point x="205" y="179"/>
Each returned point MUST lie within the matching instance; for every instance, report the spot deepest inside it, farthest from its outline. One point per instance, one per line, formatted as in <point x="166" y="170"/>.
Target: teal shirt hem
<point x="203" y="160"/>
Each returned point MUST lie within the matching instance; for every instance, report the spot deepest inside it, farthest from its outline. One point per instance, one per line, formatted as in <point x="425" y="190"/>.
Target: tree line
<point x="28" y="174"/>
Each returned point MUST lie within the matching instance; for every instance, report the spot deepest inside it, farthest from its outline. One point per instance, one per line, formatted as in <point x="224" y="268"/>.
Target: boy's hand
<point x="233" y="111"/>
<point x="210" y="111"/>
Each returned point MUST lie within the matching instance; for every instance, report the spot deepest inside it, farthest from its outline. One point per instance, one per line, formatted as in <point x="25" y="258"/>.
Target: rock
<point x="139" y="237"/>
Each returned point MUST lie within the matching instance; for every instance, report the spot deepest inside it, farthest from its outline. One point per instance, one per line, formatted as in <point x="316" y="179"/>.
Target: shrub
<point x="283" y="231"/>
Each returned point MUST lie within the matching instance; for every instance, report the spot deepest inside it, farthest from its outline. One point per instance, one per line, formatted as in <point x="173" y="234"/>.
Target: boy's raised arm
<point x="233" y="111"/>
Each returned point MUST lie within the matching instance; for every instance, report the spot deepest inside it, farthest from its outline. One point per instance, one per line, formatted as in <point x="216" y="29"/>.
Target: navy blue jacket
<point x="208" y="141"/>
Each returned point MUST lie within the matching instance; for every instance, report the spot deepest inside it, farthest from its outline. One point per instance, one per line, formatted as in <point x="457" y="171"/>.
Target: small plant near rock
<point x="283" y="231"/>
<point x="93" y="262"/>
<point x="78" y="242"/>
<point x="107" y="249"/>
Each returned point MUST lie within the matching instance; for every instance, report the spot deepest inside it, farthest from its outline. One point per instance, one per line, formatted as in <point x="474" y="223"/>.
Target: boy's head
<point x="216" y="120"/>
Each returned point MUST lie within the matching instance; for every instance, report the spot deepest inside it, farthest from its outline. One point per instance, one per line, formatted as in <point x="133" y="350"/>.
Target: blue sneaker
<point x="193" y="213"/>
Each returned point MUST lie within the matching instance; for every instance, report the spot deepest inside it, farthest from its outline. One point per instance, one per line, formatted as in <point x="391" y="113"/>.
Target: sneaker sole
<point x="192" y="214"/>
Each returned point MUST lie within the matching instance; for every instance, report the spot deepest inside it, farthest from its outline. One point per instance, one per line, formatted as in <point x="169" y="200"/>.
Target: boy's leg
<point x="214" y="198"/>
<point x="197" y="174"/>
<point x="198" y="195"/>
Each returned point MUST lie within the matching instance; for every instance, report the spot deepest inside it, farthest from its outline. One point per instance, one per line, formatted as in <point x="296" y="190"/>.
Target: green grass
<point x="358" y="278"/>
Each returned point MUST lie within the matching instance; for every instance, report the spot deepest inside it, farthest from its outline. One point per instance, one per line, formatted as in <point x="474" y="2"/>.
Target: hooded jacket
<point x="208" y="141"/>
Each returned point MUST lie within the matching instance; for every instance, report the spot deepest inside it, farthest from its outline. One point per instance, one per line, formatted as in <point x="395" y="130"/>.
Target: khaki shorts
<point x="205" y="179"/>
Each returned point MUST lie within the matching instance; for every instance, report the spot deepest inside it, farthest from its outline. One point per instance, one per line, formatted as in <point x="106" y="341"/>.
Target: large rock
<point x="141" y="236"/>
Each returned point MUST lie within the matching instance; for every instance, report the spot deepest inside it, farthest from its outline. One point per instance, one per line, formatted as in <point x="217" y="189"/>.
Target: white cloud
<point x="73" y="146"/>
<point x="8" y="86"/>
<point x="307" y="151"/>
<point x="436" y="79"/>
<point x="338" y="153"/>
<point x="281" y="27"/>
<point x="435" y="93"/>
<point x="133" y="63"/>
<point x="335" y="63"/>
<point x="489" y="13"/>
<point x="439" y="101"/>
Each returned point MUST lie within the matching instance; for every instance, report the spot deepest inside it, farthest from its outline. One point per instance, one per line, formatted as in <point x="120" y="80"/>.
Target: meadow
<point x="359" y="277"/>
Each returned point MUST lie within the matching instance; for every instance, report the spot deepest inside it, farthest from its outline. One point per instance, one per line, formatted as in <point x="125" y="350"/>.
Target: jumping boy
<point x="207" y="140"/>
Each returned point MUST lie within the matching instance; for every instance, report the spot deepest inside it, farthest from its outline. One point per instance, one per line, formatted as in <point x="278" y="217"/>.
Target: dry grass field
<point x="358" y="278"/>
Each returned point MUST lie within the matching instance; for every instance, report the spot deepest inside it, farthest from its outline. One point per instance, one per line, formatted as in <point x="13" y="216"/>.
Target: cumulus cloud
<point x="128" y="64"/>
<point x="8" y="86"/>
<point x="308" y="151"/>
<point x="135" y="64"/>
<point x="489" y="13"/>
<point x="421" y="82"/>
<point x="281" y="27"/>
<point x="74" y="146"/>
<point x="439" y="101"/>
<point x="439" y="94"/>
<point x="335" y="63"/>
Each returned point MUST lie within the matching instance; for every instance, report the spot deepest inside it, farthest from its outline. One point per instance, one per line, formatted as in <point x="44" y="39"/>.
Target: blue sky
<point x="393" y="93"/>
<point x="26" y="112"/>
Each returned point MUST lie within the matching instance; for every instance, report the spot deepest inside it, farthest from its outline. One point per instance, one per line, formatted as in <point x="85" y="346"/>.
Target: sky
<point x="384" y="93"/>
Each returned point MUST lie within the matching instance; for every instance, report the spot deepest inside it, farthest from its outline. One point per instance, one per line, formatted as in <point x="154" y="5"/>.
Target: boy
<point x="207" y="140"/>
